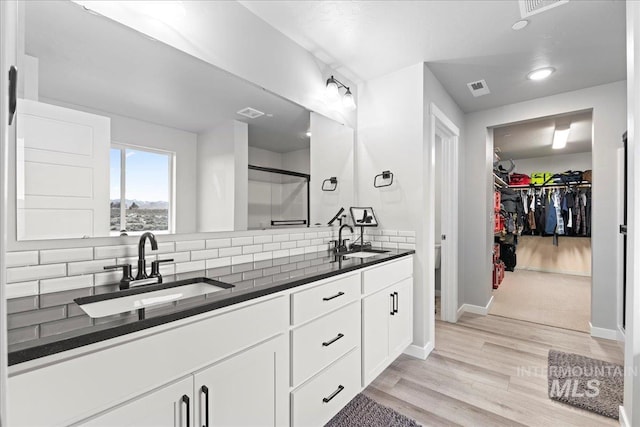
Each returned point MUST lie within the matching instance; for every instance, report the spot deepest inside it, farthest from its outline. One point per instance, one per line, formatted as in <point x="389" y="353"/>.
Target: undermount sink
<point x="366" y="253"/>
<point x="140" y="298"/>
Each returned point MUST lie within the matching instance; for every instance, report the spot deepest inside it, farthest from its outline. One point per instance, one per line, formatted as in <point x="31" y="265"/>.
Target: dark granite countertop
<point x="250" y="280"/>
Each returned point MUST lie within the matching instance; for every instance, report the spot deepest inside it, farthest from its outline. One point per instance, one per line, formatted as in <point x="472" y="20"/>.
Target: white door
<point x="167" y="407"/>
<point x="62" y="172"/>
<point x="376" y="310"/>
<point x="401" y="322"/>
<point x="248" y="389"/>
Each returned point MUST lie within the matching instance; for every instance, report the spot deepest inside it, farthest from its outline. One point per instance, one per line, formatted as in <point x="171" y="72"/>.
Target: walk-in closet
<point x="542" y="221"/>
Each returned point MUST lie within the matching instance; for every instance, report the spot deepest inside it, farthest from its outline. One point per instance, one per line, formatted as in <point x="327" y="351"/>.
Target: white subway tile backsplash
<point x="54" y="256"/>
<point x="185" y="267"/>
<point x="190" y="245"/>
<point x="218" y="243"/>
<point x="242" y="241"/>
<point x="230" y="251"/>
<point x="296" y="251"/>
<point x="205" y="254"/>
<point x="288" y="245"/>
<point x="296" y="236"/>
<point x="251" y="249"/>
<point x="267" y="238"/>
<point x="406" y="246"/>
<point x="241" y="259"/>
<point x="317" y="241"/>
<point x="218" y="262"/>
<point x="411" y="239"/>
<point x="167" y="269"/>
<point x="281" y="253"/>
<point x="22" y="289"/>
<point x="310" y="236"/>
<point x="20" y="259"/>
<point x="303" y="243"/>
<point x="24" y="274"/>
<point x="389" y="245"/>
<point x="101" y="252"/>
<point x="177" y="256"/>
<point x="389" y="232"/>
<point x="396" y="239"/>
<point x="261" y="256"/>
<point x="133" y="260"/>
<point x="310" y="249"/>
<point x="281" y="237"/>
<point x="88" y="267"/>
<point x="108" y="277"/>
<point x="166" y="247"/>
<point x="66" y="283"/>
<point x="324" y="234"/>
<point x="271" y="246"/>
<point x="381" y="238"/>
<point x="407" y="233"/>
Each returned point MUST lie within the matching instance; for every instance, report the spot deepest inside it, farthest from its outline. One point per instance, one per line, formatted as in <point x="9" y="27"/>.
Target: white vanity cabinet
<point x="387" y="316"/>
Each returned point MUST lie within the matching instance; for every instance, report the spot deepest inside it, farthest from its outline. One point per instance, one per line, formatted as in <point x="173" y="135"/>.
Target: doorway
<point x="444" y="185"/>
<point x="542" y="204"/>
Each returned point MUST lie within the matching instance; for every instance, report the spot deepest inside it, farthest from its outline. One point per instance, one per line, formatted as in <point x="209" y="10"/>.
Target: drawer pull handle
<point x="205" y="391"/>
<point x="339" y="294"/>
<point x="185" y="399"/>
<point x="393" y="304"/>
<point x="334" y="394"/>
<point x="396" y="299"/>
<point x="328" y="343"/>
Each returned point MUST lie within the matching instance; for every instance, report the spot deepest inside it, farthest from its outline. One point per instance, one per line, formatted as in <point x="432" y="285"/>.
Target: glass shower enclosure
<point x="277" y="198"/>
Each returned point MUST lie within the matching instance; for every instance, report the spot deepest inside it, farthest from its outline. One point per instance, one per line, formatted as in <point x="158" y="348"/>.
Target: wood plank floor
<point x="472" y="378"/>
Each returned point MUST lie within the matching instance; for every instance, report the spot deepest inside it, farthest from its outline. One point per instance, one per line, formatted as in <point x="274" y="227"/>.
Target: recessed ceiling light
<point x="308" y="134"/>
<point x="560" y="137"/>
<point x="520" y="25"/>
<point x="541" y="73"/>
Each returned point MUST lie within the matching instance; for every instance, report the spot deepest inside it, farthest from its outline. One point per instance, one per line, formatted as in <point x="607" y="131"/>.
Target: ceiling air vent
<point x="478" y="88"/>
<point x="252" y="113"/>
<point x="533" y="7"/>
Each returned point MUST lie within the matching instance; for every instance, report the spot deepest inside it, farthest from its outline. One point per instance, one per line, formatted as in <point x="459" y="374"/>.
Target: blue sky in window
<point x="147" y="175"/>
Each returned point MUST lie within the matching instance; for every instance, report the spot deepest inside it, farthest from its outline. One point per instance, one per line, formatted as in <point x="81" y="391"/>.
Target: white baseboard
<point x="419" y="352"/>
<point x="475" y="309"/>
<point x="608" y="334"/>
<point x="624" y="421"/>
<point x="621" y="334"/>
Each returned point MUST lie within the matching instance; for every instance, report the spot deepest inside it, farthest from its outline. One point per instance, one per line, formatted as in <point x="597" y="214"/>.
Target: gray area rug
<point x="591" y="384"/>
<point x="364" y="412"/>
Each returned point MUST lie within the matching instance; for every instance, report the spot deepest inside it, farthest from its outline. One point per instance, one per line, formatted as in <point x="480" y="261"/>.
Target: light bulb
<point x="332" y="89"/>
<point x="348" y="101"/>
<point x="540" y="74"/>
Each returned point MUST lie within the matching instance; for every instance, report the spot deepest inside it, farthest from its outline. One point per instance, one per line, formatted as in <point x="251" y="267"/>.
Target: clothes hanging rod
<point x="583" y="184"/>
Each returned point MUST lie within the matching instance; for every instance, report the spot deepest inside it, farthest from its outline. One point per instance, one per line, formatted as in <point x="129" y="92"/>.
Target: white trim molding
<point x="419" y="352"/>
<point x="608" y="334"/>
<point x="624" y="421"/>
<point x="475" y="309"/>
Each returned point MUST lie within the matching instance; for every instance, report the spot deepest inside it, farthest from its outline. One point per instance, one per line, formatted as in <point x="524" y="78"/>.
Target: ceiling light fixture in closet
<point x="560" y="137"/>
<point x="333" y="86"/>
<point x="541" y="73"/>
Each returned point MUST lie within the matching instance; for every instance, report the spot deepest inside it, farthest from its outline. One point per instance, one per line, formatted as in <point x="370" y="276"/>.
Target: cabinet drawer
<point x="323" y="298"/>
<point x="321" y="342"/>
<point x="387" y="274"/>
<point x="317" y="401"/>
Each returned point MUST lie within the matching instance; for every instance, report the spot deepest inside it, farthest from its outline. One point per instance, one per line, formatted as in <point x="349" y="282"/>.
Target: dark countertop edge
<point x="32" y="353"/>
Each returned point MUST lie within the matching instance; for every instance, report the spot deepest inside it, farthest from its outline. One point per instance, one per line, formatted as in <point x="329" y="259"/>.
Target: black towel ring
<point x="386" y="175"/>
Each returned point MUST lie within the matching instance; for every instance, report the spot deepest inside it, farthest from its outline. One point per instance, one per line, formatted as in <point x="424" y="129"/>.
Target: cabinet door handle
<point x="393" y="304"/>
<point x="205" y="391"/>
<point x="13" y="92"/>
<point x="332" y="395"/>
<point x="185" y="399"/>
<point x="396" y="299"/>
<point x="328" y="343"/>
<point x="339" y="294"/>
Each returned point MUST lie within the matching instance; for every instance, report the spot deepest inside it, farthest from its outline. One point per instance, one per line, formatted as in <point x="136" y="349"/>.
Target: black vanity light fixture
<point x="333" y="90"/>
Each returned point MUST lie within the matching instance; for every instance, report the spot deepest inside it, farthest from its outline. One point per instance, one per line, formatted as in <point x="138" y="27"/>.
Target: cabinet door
<point x="170" y="406"/>
<point x="401" y="322"/>
<point x="247" y="389"/>
<point x="376" y="310"/>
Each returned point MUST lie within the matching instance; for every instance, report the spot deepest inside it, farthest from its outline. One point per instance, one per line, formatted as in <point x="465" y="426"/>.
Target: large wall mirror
<point x="118" y="133"/>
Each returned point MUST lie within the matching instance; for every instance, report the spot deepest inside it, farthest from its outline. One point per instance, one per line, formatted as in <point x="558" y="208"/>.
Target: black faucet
<point x="342" y="246"/>
<point x="142" y="263"/>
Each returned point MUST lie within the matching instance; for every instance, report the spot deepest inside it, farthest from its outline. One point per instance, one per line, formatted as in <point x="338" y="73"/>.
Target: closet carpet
<point x="552" y="299"/>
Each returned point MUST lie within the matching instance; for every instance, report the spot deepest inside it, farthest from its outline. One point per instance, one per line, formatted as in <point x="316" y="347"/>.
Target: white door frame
<point x="449" y="133"/>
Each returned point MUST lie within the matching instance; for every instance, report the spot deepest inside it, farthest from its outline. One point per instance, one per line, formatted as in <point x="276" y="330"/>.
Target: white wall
<point x="222" y="184"/>
<point x="229" y="36"/>
<point x="297" y="161"/>
<point x="332" y="154"/>
<point x="394" y="128"/>
<point x="609" y="112"/>
<point x="554" y="164"/>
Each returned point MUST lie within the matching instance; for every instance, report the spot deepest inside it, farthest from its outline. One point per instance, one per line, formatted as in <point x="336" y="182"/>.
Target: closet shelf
<point x="581" y="184"/>
<point x="499" y="182"/>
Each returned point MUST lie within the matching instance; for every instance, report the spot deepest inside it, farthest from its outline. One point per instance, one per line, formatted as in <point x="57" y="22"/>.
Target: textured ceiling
<point x="462" y="41"/>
